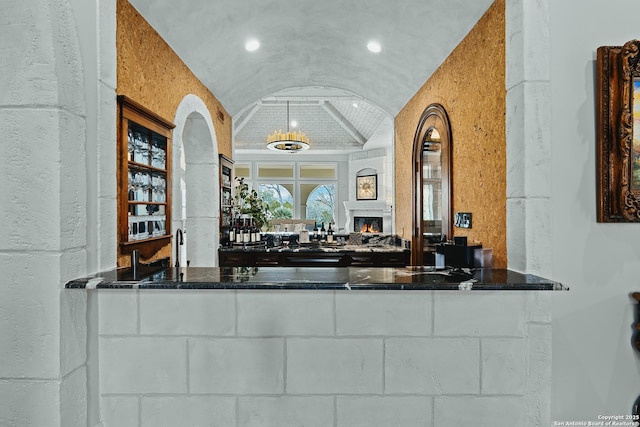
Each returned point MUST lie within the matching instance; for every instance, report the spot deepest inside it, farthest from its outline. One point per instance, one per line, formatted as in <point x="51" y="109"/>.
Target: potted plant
<point x="247" y="202"/>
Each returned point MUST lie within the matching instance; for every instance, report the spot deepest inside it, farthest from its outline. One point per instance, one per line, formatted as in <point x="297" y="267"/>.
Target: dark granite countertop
<point x="346" y="278"/>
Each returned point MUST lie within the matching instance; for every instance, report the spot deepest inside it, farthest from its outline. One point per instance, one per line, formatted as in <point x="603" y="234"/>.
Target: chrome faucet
<point x="179" y="242"/>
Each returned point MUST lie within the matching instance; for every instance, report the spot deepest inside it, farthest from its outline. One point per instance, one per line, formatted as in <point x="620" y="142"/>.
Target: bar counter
<point x="316" y="278"/>
<point x="305" y="345"/>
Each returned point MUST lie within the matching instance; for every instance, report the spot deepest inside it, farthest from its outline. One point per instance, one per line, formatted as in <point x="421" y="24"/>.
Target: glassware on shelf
<point x="131" y="145"/>
<point x="137" y="147"/>
<point x="143" y="230"/>
<point x="141" y="148"/>
<point x="159" y="228"/>
<point x="158" y="157"/>
<point x="158" y="188"/>
<point x="145" y="187"/>
<point x="135" y="185"/>
<point x="131" y="191"/>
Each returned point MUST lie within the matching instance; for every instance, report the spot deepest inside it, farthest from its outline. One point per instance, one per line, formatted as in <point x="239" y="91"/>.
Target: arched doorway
<point x="196" y="184"/>
<point x="431" y="187"/>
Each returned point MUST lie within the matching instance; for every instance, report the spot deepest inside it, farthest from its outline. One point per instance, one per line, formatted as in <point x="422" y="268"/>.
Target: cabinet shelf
<point x="150" y="239"/>
<point x="138" y="202"/>
<point x="143" y="167"/>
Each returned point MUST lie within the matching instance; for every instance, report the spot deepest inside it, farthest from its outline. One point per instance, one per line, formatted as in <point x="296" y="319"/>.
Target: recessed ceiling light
<point x="355" y="105"/>
<point x="294" y="124"/>
<point x="252" y="45"/>
<point x="374" y="46"/>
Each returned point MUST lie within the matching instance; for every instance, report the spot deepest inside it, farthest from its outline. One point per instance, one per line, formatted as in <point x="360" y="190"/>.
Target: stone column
<point x="44" y="211"/>
<point x="528" y="137"/>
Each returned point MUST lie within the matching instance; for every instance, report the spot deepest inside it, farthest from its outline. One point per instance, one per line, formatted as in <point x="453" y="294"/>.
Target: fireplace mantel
<point x="368" y="208"/>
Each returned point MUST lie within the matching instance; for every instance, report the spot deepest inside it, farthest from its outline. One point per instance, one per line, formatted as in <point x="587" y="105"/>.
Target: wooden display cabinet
<point x="144" y="183"/>
<point x="226" y="198"/>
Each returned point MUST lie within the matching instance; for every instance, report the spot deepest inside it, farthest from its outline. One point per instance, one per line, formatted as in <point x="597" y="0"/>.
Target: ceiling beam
<point x="346" y="125"/>
<point x="277" y="102"/>
<point x="238" y="127"/>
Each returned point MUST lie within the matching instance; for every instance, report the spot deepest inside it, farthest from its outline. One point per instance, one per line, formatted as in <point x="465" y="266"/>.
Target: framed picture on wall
<point x="367" y="187"/>
<point x="618" y="133"/>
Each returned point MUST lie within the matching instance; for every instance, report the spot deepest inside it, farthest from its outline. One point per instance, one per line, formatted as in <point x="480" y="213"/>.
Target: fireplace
<point x="367" y="224"/>
<point x="377" y="209"/>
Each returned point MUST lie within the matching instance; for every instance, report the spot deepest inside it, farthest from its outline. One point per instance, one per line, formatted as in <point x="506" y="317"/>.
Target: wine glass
<point x="131" y="145"/>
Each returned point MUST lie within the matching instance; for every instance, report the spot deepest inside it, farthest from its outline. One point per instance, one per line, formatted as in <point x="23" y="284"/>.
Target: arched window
<point x="321" y="204"/>
<point x="279" y="199"/>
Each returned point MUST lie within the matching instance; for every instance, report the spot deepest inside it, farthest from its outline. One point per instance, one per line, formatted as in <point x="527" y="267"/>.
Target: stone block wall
<point x="324" y="358"/>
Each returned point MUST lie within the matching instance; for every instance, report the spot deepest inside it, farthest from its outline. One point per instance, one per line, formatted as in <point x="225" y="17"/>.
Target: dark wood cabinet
<point x="252" y="258"/>
<point x="226" y="198"/>
<point x="144" y="183"/>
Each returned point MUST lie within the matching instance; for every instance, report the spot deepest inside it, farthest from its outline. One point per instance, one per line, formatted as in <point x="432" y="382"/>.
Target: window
<point x="279" y="199"/>
<point x="320" y="171"/>
<point x="275" y="171"/>
<point x="296" y="190"/>
<point x="242" y="171"/>
<point x="321" y="203"/>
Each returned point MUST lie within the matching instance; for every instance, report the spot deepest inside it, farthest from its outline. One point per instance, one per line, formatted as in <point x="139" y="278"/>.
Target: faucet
<point x="135" y="262"/>
<point x="179" y="242"/>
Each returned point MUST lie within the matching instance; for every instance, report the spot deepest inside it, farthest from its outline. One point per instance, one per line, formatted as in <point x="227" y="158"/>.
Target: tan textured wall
<point x="470" y="84"/>
<point x="150" y="73"/>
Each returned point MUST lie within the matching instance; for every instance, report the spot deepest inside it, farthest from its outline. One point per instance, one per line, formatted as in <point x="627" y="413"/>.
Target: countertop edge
<point x="428" y="280"/>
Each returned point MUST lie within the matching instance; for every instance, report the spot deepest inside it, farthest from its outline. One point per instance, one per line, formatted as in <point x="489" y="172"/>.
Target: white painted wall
<point x="596" y="371"/>
<point x="325" y="358"/>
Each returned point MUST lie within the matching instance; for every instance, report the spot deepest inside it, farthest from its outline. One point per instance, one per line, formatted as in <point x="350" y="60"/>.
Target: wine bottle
<point x="254" y="231"/>
<point x="239" y="236"/>
<point x="330" y="234"/>
<point x="314" y="236"/>
<point x="323" y="233"/>
<point x="232" y="233"/>
<point x="247" y="232"/>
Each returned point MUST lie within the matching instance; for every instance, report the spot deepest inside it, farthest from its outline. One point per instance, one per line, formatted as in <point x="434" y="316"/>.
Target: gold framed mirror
<point x="618" y="133"/>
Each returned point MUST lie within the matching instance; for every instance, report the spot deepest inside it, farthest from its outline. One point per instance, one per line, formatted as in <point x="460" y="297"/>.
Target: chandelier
<point x="288" y="142"/>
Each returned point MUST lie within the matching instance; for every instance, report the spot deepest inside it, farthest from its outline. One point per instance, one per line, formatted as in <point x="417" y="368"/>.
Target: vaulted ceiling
<point x="314" y="55"/>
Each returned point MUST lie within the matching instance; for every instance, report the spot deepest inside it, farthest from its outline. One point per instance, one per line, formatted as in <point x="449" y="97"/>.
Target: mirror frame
<point x="434" y="116"/>
<point x="618" y="199"/>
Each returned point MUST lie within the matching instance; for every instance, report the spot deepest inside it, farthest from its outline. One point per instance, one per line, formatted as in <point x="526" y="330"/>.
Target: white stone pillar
<point x="44" y="210"/>
<point x="528" y="136"/>
<point x="196" y="183"/>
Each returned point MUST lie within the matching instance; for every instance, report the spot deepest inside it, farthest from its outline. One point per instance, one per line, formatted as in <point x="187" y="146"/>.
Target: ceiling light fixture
<point x="288" y="142"/>
<point x="374" y="46"/>
<point x="252" y="45"/>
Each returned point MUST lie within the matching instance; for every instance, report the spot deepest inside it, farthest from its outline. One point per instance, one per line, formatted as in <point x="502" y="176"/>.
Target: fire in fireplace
<point x="367" y="224"/>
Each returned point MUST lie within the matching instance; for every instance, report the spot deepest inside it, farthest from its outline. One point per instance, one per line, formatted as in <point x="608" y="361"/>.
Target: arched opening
<point x="279" y="198"/>
<point x="321" y="204"/>
<point x="431" y="187"/>
<point x="196" y="207"/>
